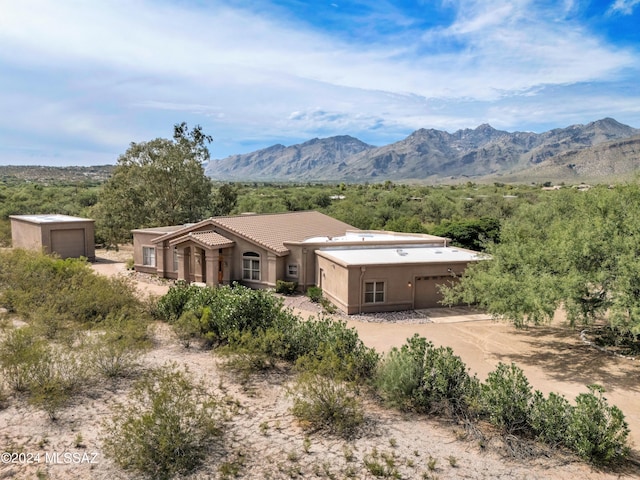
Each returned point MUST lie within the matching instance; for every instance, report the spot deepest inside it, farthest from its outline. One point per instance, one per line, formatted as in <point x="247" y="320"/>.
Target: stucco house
<point x="64" y="235"/>
<point x="359" y="271"/>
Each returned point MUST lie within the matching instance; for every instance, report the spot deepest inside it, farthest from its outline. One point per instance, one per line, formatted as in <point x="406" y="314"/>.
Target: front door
<point x="220" y="270"/>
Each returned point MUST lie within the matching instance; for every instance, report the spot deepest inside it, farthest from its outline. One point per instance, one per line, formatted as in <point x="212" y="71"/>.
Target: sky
<point x="80" y="80"/>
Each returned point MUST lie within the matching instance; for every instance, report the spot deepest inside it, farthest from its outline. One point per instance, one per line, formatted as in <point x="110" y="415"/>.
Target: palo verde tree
<point x="576" y="250"/>
<point x="159" y="182"/>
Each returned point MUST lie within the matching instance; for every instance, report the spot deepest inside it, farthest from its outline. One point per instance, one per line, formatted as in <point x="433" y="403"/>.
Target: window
<point x="374" y="292"/>
<point x="149" y="256"/>
<point x="292" y="270"/>
<point x="175" y="259"/>
<point x="251" y="266"/>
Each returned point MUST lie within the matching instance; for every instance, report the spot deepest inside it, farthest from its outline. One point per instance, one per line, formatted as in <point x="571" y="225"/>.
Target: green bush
<point x="314" y="294"/>
<point x="168" y="427"/>
<point x="219" y="312"/>
<point x="549" y="418"/>
<point x="328" y="347"/>
<point x="447" y="383"/>
<point x="286" y="288"/>
<point x="506" y="397"/>
<point x="597" y="432"/>
<point x="420" y="377"/>
<point x="324" y="404"/>
<point x="400" y="375"/>
<point x="171" y="305"/>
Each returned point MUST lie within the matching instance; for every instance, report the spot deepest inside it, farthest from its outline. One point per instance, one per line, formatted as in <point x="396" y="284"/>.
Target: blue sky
<point x="80" y="80"/>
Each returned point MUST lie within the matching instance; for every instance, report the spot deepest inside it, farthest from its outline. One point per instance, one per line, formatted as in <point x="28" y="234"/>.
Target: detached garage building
<point x="66" y="236"/>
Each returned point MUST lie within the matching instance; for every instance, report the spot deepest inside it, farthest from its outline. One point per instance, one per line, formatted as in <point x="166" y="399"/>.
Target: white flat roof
<point x="404" y="255"/>
<point x="53" y="218"/>
<point x="370" y="237"/>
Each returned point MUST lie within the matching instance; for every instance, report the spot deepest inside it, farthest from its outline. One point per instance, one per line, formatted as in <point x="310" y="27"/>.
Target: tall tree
<point x="159" y="182"/>
<point x="578" y="250"/>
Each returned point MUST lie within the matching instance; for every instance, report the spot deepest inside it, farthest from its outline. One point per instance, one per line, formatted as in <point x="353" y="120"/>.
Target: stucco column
<point x="181" y="265"/>
<point x="198" y="261"/>
<point x="212" y="267"/>
<point x="160" y="256"/>
<point x="271" y="269"/>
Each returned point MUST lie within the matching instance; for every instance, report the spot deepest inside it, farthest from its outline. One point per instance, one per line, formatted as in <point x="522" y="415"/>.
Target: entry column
<point x="212" y="268"/>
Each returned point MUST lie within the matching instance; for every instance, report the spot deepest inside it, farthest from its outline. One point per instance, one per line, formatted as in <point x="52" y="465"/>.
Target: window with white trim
<point x="292" y="270"/>
<point x="374" y="292"/>
<point x="149" y="256"/>
<point x="250" y="266"/>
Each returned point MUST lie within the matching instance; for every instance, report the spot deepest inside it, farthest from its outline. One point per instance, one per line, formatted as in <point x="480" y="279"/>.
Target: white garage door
<point x="68" y="243"/>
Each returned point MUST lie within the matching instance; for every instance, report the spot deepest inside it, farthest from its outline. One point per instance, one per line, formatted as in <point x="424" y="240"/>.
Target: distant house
<point x="68" y="237"/>
<point x="359" y="271"/>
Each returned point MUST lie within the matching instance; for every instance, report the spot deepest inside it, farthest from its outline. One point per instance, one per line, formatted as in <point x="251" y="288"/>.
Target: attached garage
<point x="63" y="235"/>
<point x="376" y="279"/>
<point x="427" y="292"/>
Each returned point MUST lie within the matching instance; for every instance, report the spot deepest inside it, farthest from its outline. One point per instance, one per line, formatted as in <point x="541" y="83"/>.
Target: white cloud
<point x="114" y="71"/>
<point x="625" y="7"/>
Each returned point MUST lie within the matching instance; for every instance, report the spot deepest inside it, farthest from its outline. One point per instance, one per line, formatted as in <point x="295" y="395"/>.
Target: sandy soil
<point x="266" y="442"/>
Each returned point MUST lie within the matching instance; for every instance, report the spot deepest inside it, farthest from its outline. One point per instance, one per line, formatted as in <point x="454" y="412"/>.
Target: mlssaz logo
<point x="70" y="458"/>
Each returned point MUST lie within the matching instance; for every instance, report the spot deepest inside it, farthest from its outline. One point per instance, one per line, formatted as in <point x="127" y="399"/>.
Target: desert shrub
<point x="506" y="396"/>
<point x="327" y="305"/>
<point x="48" y="375"/>
<point x="4" y="398"/>
<point x="328" y="347"/>
<point x="168" y="427"/>
<point x="447" y="383"/>
<point x="314" y="294"/>
<point x="188" y="328"/>
<point x="24" y="358"/>
<point x="597" y="432"/>
<point x="420" y="377"/>
<point x="172" y="305"/>
<point x="324" y="404"/>
<point x="113" y="357"/>
<point x="286" y="288"/>
<point x="219" y="311"/>
<point x="400" y="374"/>
<point x="58" y="294"/>
<point x="549" y="418"/>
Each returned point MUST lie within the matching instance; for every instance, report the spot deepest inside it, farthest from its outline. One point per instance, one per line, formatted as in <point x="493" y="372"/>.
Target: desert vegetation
<point x="70" y="336"/>
<point x="333" y="364"/>
<point x="80" y="328"/>
<point x="167" y="422"/>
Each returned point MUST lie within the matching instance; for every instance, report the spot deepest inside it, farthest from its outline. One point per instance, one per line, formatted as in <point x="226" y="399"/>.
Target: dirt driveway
<point x="553" y="357"/>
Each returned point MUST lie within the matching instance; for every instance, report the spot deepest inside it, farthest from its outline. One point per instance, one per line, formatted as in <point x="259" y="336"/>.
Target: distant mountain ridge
<point x="426" y="154"/>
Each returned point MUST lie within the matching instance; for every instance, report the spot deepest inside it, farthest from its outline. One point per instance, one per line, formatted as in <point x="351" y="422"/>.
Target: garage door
<point x="68" y="243"/>
<point x="427" y="292"/>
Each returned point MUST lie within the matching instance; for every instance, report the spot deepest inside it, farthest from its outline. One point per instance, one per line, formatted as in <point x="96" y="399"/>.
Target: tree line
<point x="547" y="249"/>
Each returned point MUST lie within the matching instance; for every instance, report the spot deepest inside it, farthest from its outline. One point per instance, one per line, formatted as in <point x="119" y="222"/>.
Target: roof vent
<point x="438" y="251"/>
<point x="401" y="252"/>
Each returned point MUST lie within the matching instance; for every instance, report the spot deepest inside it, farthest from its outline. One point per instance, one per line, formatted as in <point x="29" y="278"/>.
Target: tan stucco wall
<point x="143" y="239"/>
<point x="26" y="235"/>
<point x="344" y="285"/>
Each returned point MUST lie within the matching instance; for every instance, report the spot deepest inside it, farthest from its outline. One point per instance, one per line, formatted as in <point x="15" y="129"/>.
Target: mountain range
<point x="600" y="149"/>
